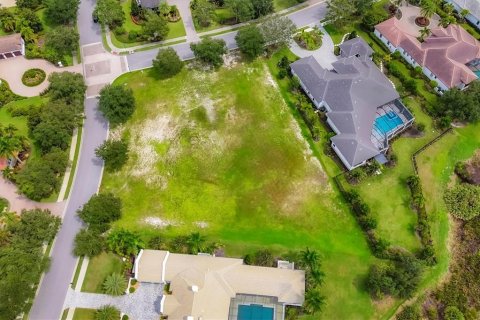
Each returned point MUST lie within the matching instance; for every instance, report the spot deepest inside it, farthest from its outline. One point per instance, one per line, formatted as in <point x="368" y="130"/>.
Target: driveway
<point x="324" y="55"/>
<point x="18" y="202"/>
<point x="184" y="9"/>
<point x="143" y="304"/>
<point x="11" y="70"/>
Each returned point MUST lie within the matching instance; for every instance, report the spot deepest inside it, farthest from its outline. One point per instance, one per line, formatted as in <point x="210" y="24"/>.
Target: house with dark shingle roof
<point x="149" y="4"/>
<point x="11" y="46"/>
<point x="473" y="7"/>
<point x="361" y="105"/>
<point x="450" y="56"/>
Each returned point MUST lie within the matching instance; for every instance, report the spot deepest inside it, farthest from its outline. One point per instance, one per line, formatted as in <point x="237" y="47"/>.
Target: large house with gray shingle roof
<point x="361" y="105"/>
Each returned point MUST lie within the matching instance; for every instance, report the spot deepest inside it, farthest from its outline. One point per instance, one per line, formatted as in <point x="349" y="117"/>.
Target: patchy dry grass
<point x="221" y="152"/>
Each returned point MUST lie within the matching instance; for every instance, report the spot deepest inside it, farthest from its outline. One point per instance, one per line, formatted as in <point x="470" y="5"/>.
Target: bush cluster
<point x="427" y="253"/>
<point x="33" y="77"/>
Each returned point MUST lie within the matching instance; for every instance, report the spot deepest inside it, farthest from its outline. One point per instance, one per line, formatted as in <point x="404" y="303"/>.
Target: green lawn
<point x="84" y="314"/>
<point x="436" y="166"/>
<point x="284" y="4"/>
<point x="98" y="269"/>
<point x="177" y="29"/>
<point x="21" y="122"/>
<point x="254" y="188"/>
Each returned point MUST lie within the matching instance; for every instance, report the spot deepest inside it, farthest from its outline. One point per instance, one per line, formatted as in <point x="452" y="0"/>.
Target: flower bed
<point x="309" y="39"/>
<point x="33" y="77"/>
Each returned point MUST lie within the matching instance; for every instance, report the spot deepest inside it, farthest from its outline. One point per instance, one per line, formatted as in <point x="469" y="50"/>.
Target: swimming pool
<point x="477" y="73"/>
<point x="388" y="122"/>
<point x="254" y="312"/>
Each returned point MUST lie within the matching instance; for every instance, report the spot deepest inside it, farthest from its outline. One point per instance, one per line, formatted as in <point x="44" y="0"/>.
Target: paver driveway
<point x="11" y="70"/>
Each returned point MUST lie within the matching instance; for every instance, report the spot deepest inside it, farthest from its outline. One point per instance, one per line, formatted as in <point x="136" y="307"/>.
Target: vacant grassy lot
<point x="98" y="269"/>
<point x="221" y="153"/>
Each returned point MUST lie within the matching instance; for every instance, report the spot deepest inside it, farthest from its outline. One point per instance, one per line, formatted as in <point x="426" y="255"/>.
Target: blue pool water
<point x="388" y="122"/>
<point x="254" y="312"/>
<point x="477" y="73"/>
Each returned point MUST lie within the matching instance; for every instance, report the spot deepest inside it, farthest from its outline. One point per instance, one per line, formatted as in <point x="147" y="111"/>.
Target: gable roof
<point x="356" y="46"/>
<point x="203" y="286"/>
<point x="353" y="91"/>
<point x="11" y="43"/>
<point x="445" y="52"/>
<point x="150" y="4"/>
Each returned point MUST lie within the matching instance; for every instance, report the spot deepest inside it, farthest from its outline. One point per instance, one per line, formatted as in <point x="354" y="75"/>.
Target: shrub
<point x="452" y="313"/>
<point x="33" y="77"/>
<point x="463" y="201"/>
<point x="114" y="153"/>
<point x="101" y="209"/>
<point x="167" y="63"/>
<point x="88" y="242"/>
<point x="133" y="282"/>
<point x="420" y="126"/>
<point x="131" y="290"/>
<point x="115" y="284"/>
<point x="107" y="312"/>
<point x="116" y="103"/>
<point x="282" y="73"/>
<point x="409" y="313"/>
<point x="461" y="171"/>
<point x="124" y="242"/>
<point x="210" y="51"/>
<point x="433" y="83"/>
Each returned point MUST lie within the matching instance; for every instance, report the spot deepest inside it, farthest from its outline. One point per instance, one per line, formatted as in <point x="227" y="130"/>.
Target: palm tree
<point x="107" y="312"/>
<point x="310" y="258"/>
<point x="314" y="301"/>
<point x="464" y="13"/>
<point x="8" y="23"/>
<point x="115" y="284"/>
<point x="447" y="20"/>
<point x="196" y="243"/>
<point x="424" y="32"/>
<point x="427" y="10"/>
<point x="28" y="34"/>
<point x="448" y="8"/>
<point x="11" y="143"/>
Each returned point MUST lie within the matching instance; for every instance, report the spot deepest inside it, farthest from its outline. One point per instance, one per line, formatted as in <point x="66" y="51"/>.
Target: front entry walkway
<point x="143" y="304"/>
<point x="324" y="55"/>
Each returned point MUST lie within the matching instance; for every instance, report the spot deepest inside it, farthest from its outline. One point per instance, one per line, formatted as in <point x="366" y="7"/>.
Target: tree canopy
<point x="62" y="11"/>
<point x="124" y="242"/>
<point x="117" y="103"/>
<point x="277" y="30"/>
<point x="101" y="209"/>
<point x="210" y="51"/>
<point x="460" y="105"/>
<point x="155" y="28"/>
<point x="242" y="9"/>
<point x="109" y="13"/>
<point x="250" y="41"/>
<point x="22" y="261"/>
<point x="114" y="153"/>
<point x="167" y="63"/>
<point x="88" y="242"/>
<point x="63" y="40"/>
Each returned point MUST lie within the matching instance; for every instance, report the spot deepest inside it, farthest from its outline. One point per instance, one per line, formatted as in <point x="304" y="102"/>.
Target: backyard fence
<point x="414" y="156"/>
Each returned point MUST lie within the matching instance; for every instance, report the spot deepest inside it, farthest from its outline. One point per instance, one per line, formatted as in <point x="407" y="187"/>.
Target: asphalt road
<point x="143" y="59"/>
<point x="48" y="304"/>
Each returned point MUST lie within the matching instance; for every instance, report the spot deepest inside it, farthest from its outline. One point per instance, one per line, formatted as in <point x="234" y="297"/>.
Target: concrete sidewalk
<point x="193" y="35"/>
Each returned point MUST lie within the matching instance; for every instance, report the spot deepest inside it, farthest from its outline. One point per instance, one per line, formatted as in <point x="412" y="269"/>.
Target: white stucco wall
<point x="433" y="77"/>
<point x="390" y="46"/>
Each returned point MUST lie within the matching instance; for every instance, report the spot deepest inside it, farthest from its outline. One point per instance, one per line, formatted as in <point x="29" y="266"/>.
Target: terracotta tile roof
<point x="445" y="52"/>
<point x="11" y="43"/>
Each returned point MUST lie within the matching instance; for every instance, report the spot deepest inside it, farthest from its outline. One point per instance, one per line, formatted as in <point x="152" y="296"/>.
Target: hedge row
<point x="427" y="253"/>
<point x="367" y="222"/>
